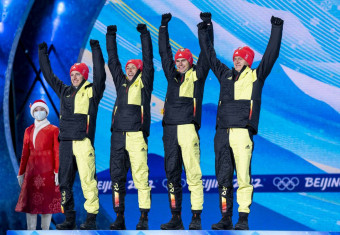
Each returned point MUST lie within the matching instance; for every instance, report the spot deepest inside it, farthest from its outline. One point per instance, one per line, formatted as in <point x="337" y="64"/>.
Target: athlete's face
<point x="131" y="71"/>
<point x="239" y="62"/>
<point x="182" y="65"/>
<point x="76" y="78"/>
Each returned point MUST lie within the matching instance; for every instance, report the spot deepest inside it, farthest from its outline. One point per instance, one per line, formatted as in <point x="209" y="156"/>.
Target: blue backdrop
<point x="296" y="163"/>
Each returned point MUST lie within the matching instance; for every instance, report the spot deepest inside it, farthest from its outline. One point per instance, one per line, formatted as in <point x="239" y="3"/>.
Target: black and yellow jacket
<point x="131" y="111"/>
<point x="78" y="106"/>
<point x="184" y="97"/>
<point x="240" y="92"/>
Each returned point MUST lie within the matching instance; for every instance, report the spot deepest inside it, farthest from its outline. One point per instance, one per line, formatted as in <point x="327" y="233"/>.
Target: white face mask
<point x="40" y="115"/>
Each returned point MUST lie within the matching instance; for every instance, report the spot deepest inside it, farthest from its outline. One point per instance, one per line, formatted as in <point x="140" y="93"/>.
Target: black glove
<point x="142" y="28"/>
<point x="202" y="25"/>
<point x="276" y="21"/>
<point x="111" y="29"/>
<point x="94" y="43"/>
<point x="206" y="17"/>
<point x="165" y="19"/>
<point x="43" y="47"/>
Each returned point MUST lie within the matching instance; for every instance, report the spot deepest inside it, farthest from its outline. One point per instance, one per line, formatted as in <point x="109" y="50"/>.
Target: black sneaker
<point x="242" y="223"/>
<point x="174" y="224"/>
<point x="224" y="224"/>
<point x="195" y="222"/>
<point x="143" y="222"/>
<point x="119" y="224"/>
<point x="69" y="223"/>
<point x="90" y="223"/>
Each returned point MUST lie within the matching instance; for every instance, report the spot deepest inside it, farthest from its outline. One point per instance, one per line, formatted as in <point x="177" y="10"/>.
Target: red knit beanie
<point x="184" y="53"/>
<point x="245" y="53"/>
<point x="137" y="62"/>
<point x="81" y="68"/>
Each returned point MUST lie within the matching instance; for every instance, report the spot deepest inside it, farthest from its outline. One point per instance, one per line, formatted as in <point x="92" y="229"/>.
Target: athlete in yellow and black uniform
<point x="237" y="119"/>
<point x="130" y="125"/>
<point x="78" y="112"/>
<point x="181" y="122"/>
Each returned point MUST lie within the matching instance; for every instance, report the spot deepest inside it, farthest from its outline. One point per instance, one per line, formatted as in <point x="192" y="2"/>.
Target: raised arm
<point x="99" y="75"/>
<point x="165" y="52"/>
<point x="272" y="50"/>
<point x="45" y="66"/>
<point x="114" y="63"/>
<point x="220" y="70"/>
<point x="202" y="62"/>
<point x="148" y="69"/>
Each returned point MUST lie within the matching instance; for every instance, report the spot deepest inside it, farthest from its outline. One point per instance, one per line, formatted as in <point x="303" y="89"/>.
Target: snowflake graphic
<point x="326" y="5"/>
<point x="38" y="198"/>
<point x="39" y="182"/>
<point x="55" y="205"/>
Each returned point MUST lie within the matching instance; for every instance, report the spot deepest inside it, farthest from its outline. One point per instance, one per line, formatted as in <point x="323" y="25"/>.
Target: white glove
<point x="56" y="179"/>
<point x="20" y="179"/>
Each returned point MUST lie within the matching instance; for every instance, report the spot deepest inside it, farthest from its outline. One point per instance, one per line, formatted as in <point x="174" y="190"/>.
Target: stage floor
<point x="156" y="232"/>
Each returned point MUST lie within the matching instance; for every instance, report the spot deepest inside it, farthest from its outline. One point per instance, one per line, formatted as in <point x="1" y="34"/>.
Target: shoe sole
<point x="74" y="228"/>
<point x="218" y="228"/>
<point x="117" y="228"/>
<point x="147" y="228"/>
<point x="177" y="228"/>
<point x="88" y="228"/>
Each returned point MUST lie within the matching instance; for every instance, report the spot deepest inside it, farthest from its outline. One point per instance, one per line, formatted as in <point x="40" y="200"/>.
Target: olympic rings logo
<point x="165" y="183"/>
<point x="286" y="183"/>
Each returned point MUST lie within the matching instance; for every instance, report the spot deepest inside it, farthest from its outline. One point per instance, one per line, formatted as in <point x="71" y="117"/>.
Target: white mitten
<point x="56" y="179"/>
<point x="20" y="179"/>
